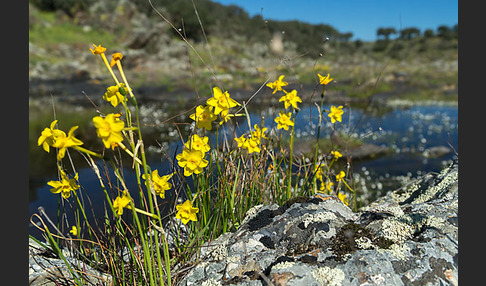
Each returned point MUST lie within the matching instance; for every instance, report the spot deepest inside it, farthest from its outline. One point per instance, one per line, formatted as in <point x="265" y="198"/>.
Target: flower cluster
<point x="220" y="103"/>
<point x="327" y="184"/>
<point x="192" y="156"/>
<point x="253" y="142"/>
<point x="284" y="120"/>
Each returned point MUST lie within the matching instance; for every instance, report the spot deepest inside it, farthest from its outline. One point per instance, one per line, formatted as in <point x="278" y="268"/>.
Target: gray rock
<point x="408" y="237"/>
<point x="47" y="269"/>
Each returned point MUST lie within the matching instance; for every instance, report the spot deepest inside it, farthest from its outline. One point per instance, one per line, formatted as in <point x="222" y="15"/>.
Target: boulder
<point x="408" y="237"/>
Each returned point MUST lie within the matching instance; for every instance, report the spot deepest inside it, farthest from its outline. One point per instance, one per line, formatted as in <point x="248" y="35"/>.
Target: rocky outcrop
<point x="47" y="269"/>
<point x="408" y="237"/>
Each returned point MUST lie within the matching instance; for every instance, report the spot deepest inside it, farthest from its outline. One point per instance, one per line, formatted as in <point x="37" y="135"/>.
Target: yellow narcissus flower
<point x="98" y="50"/>
<point x="340" y="176"/>
<point x="113" y="95"/>
<point x="324" y="80"/>
<point x="114" y="58"/>
<point x="336" y="113"/>
<point x="121" y="202"/>
<point x="241" y="141"/>
<point x="192" y="161"/>
<point x="185" y="212"/>
<point x="326" y="187"/>
<point x="277" y="85"/>
<point x="291" y="98"/>
<point x="58" y="139"/>
<point x="336" y="154"/>
<point x="258" y="133"/>
<point x="62" y="142"/>
<point x="64" y="186"/>
<point x="221" y="101"/>
<point x="161" y="184"/>
<point x="253" y="145"/>
<point x="342" y="197"/>
<point x="109" y="129"/>
<point x="74" y="230"/>
<point x="48" y="136"/>
<point x="284" y="120"/>
<point x="198" y="143"/>
<point x="203" y="117"/>
<point x="319" y="171"/>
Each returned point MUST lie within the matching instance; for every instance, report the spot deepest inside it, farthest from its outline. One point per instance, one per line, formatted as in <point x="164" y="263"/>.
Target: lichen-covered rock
<point x="408" y="237"/>
<point x="47" y="269"/>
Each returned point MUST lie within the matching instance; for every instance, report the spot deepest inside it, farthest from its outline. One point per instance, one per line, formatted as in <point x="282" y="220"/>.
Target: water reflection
<point x="408" y="132"/>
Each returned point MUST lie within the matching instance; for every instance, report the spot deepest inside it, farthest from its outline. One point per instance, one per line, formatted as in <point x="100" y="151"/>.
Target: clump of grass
<point x="227" y="165"/>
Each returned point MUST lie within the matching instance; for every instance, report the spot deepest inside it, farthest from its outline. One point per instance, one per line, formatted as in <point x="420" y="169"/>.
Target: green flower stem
<point x="89" y="152"/>
<point x="354" y="195"/>
<point x="291" y="159"/>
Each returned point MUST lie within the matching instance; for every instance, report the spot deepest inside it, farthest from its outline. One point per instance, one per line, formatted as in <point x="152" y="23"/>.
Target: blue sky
<point x="361" y="17"/>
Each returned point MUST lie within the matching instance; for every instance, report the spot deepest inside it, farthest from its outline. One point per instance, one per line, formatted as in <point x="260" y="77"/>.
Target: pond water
<point x="409" y="131"/>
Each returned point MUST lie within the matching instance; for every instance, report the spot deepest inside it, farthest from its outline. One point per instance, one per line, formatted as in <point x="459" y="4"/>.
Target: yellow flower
<point x="192" y="161"/>
<point x="48" y="136"/>
<point x="109" y="129"/>
<point x="185" y="212"/>
<point x="253" y="145"/>
<point x="284" y="121"/>
<point x="241" y="141"/>
<point x="62" y="142"/>
<point x="198" y="143"/>
<point x="98" y="50"/>
<point x="290" y="98"/>
<point x="336" y="154"/>
<point x="340" y="176"/>
<point x="221" y="101"/>
<point x="64" y="186"/>
<point x="324" y="80"/>
<point x="258" y="133"/>
<point x="74" y="230"/>
<point x="336" y="113"/>
<point x="203" y="117"/>
<point x="277" y="85"/>
<point x="319" y="171"/>
<point x="326" y="187"/>
<point x="114" y="58"/>
<point x="114" y="96"/>
<point x="161" y="184"/>
<point x="121" y="202"/>
<point x="342" y="197"/>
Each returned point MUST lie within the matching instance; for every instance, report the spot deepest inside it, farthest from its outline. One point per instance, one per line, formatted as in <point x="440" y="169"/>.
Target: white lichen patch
<point x="396" y="231"/>
<point x="211" y="282"/>
<point x="364" y="243"/>
<point x="283" y="265"/>
<point x="218" y="252"/>
<point x="328" y="276"/>
<point x="435" y="222"/>
<point x="317" y="217"/>
<point x="399" y="251"/>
